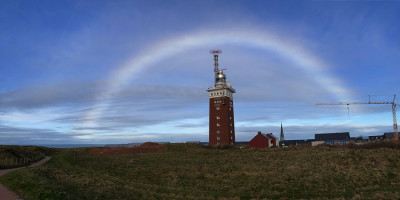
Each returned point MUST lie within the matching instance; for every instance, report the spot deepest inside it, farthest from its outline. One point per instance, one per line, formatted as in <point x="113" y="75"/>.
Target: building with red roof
<point x="263" y="141"/>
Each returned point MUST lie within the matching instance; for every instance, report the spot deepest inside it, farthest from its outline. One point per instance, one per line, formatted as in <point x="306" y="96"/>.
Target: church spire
<point x="282" y="135"/>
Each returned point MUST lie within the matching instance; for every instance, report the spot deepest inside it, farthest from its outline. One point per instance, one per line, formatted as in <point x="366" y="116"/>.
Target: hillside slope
<point x="187" y="171"/>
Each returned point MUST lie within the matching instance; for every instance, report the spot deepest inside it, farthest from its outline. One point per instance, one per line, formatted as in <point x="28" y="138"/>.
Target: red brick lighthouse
<point x="222" y="126"/>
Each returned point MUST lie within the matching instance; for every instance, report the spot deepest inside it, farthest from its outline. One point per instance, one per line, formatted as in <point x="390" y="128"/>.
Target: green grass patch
<point x="188" y="171"/>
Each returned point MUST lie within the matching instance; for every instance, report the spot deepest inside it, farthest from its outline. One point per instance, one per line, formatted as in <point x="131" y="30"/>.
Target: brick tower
<point x="222" y="126"/>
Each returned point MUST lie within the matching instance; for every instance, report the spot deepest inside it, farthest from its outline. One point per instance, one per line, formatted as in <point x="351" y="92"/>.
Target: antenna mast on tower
<point x="216" y="52"/>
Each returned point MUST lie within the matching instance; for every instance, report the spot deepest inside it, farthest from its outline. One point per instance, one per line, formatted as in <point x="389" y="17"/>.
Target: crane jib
<point x="393" y="103"/>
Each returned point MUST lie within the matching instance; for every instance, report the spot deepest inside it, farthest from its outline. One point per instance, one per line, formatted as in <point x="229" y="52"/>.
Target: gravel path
<point x="6" y="194"/>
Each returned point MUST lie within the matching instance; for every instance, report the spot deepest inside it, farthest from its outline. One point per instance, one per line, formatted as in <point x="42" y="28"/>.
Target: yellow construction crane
<point x="393" y="103"/>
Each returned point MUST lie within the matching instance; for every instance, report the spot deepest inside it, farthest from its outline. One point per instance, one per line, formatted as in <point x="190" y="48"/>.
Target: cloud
<point x="189" y="125"/>
<point x="103" y="128"/>
<point x="62" y="94"/>
<point x="166" y="95"/>
<point x="19" y="135"/>
<point x="60" y="68"/>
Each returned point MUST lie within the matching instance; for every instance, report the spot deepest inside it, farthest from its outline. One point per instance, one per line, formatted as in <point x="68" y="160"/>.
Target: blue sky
<point x="136" y="71"/>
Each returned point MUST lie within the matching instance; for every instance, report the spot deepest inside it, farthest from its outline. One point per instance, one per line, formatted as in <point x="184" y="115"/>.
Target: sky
<point x="131" y="71"/>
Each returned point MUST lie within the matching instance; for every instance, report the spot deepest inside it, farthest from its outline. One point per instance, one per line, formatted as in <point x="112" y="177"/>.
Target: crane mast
<point x="395" y="129"/>
<point x="393" y="103"/>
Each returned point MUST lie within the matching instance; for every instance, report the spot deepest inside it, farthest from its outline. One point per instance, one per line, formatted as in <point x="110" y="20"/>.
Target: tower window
<point x="218" y="138"/>
<point x="218" y="117"/>
<point x="218" y="132"/>
<point x="218" y="124"/>
<point x="217" y="108"/>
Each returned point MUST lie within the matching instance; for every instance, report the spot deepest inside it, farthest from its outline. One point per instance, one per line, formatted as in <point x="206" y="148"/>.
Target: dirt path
<point x="6" y="194"/>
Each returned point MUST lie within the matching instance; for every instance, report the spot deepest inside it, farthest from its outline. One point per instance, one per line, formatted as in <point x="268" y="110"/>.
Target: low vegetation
<point x="18" y="156"/>
<point x="189" y="171"/>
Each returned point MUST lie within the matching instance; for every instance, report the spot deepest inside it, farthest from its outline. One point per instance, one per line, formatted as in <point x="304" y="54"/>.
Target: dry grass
<point x="187" y="171"/>
<point x="148" y="147"/>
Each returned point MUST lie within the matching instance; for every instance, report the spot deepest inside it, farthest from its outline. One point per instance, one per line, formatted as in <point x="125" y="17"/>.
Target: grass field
<point x="189" y="171"/>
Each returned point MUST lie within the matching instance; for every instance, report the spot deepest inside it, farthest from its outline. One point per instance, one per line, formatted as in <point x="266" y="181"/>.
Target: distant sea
<point x="71" y="145"/>
<point x="91" y="145"/>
